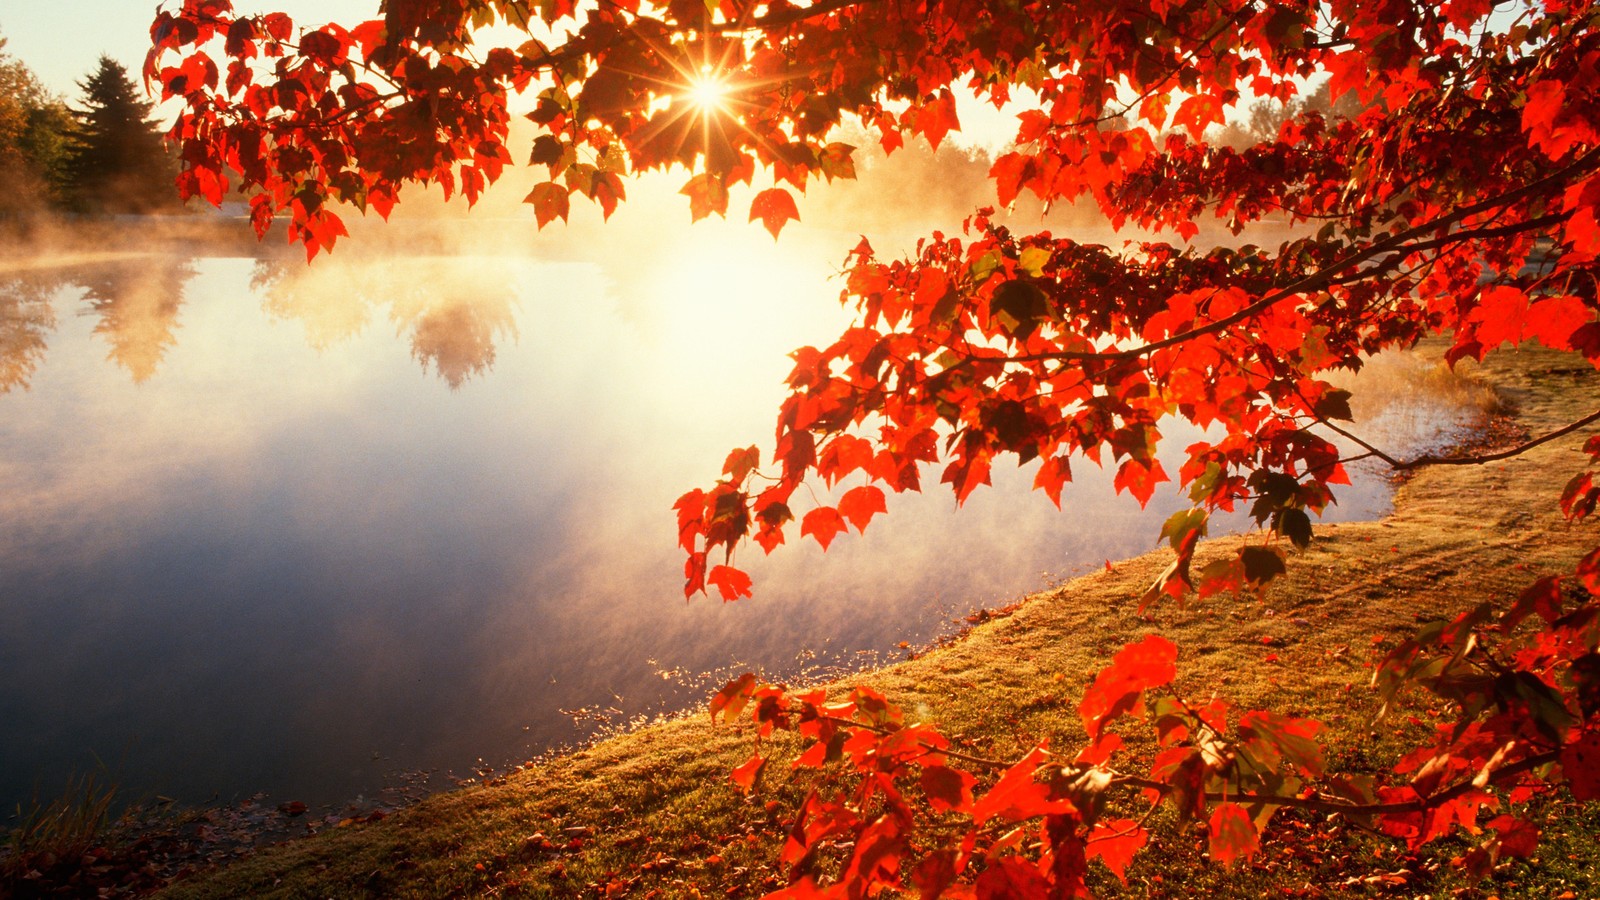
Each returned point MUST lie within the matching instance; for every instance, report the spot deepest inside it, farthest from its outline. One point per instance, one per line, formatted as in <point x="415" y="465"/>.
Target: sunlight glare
<point x="708" y="92"/>
<point x="727" y="307"/>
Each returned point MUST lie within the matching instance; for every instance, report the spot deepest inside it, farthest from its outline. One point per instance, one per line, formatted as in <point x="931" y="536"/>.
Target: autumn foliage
<point x="1459" y="197"/>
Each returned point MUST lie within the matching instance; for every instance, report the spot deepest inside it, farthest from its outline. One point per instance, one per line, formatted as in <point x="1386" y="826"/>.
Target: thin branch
<point x="945" y="751"/>
<point x="1431" y="460"/>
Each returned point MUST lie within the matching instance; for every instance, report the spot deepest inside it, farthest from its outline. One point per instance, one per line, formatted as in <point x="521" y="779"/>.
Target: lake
<point x="297" y="530"/>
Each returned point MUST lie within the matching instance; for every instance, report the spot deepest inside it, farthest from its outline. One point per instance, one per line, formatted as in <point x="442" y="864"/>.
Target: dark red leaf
<point x="1233" y="834"/>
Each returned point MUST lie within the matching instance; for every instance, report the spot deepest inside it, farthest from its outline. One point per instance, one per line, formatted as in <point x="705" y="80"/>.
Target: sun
<point x="708" y="91"/>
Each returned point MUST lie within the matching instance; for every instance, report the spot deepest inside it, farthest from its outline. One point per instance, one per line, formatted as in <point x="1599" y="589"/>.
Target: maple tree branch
<point x="787" y="17"/>
<point x="1325" y="276"/>
<point x="1456" y="237"/>
<point x="953" y="754"/>
<point x="1431" y="460"/>
<point x="1421" y="804"/>
<point x="1244" y="12"/>
<point x="1314" y="803"/>
<point x="1398" y="255"/>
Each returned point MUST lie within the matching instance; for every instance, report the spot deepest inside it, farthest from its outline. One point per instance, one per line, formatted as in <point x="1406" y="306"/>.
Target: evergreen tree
<point x="116" y="161"/>
<point x="32" y="138"/>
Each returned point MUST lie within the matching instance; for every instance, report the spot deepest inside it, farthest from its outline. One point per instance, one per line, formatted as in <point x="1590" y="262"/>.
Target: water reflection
<point x="137" y="302"/>
<point x="453" y="316"/>
<point x="27" y="316"/>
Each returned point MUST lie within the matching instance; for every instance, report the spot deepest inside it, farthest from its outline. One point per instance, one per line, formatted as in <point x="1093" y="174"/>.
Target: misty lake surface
<point x="295" y="530"/>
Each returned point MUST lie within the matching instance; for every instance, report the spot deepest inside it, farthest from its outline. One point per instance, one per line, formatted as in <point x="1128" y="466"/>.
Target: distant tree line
<point x="104" y="155"/>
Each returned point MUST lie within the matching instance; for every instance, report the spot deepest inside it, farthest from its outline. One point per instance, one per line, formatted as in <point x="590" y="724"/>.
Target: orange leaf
<point x="822" y="523"/>
<point x="1545" y="101"/>
<point x="1136" y="668"/>
<point x="745" y="775"/>
<point x="731" y="582"/>
<point x="1013" y="876"/>
<point x="859" y="505"/>
<point x="774" y="207"/>
<point x="1580" y="762"/>
<point x="1552" y="320"/>
<point x="1198" y="113"/>
<point x="1582" y="232"/>
<point x="741" y="462"/>
<point x="694" y="573"/>
<point x="965" y="474"/>
<point x="1053" y="475"/>
<point x="733" y="696"/>
<point x="707" y="194"/>
<point x="1589" y="571"/>
<point x="689" y="507"/>
<point x="1140" y="478"/>
<point x="1518" y="837"/>
<point x="938" y="117"/>
<point x="550" y="202"/>
<point x="1018" y="795"/>
<point x="1098" y="752"/>
<point x="1500" y="315"/>
<point x="1115" y="843"/>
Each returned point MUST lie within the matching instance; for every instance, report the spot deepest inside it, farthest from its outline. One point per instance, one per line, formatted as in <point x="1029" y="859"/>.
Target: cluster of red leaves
<point x="895" y="806"/>
<point x="1459" y="195"/>
<point x="908" y="810"/>
<point x="1460" y="201"/>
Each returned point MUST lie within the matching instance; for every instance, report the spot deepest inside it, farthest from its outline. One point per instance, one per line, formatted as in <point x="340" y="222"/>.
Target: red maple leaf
<point x="1115" y="843"/>
<point x="730" y="582"/>
<point x="1140" y="478"/>
<point x="745" y="775"/>
<point x="822" y="523"/>
<point x="1233" y="834"/>
<point x="774" y="207"/>
<point x="1580" y="763"/>
<point x="1500" y="316"/>
<point x="859" y="505"/>
<point x="1137" y="667"/>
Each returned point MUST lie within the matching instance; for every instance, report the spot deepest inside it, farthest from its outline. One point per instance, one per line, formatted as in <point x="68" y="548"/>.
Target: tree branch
<point x="1315" y="803"/>
<point x="787" y="17"/>
<point x="1431" y="460"/>
<point x="1325" y="276"/>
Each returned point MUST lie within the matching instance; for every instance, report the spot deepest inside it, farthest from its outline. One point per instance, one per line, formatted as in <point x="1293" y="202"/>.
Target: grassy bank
<point x="652" y="813"/>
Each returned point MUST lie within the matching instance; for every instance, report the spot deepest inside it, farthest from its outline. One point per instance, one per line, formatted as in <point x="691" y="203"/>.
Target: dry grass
<point x="63" y="828"/>
<point x="653" y="813"/>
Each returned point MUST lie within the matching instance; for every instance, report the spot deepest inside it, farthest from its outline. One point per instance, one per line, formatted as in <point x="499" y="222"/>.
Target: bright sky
<point x="60" y="40"/>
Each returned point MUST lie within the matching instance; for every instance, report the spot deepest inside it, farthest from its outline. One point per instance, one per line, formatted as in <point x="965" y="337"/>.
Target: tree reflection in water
<point x="27" y="317"/>
<point x="138" y="302"/>
<point x="453" y="315"/>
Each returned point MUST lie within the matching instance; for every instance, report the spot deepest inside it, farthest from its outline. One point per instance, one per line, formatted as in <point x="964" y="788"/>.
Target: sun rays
<point x="708" y="91"/>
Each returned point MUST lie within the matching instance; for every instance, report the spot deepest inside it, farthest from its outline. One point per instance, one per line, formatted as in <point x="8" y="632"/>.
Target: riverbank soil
<point x="652" y="813"/>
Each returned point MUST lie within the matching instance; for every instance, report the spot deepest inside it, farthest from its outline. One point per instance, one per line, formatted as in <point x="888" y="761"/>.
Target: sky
<point x="61" y="40"/>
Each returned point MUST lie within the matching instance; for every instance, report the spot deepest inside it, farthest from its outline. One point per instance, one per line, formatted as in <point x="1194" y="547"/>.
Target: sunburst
<point x="708" y="91"/>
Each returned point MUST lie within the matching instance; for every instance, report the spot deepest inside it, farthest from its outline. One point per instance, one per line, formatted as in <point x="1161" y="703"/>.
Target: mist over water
<point x="292" y="529"/>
